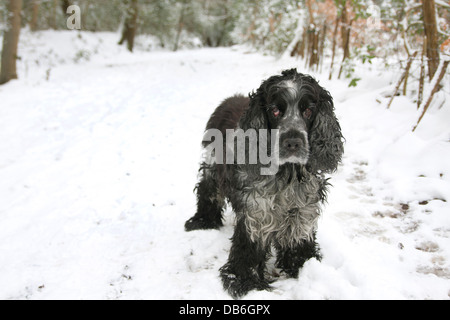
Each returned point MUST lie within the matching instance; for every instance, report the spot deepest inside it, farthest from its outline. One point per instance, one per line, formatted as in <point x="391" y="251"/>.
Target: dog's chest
<point x="288" y="215"/>
<point x="294" y="197"/>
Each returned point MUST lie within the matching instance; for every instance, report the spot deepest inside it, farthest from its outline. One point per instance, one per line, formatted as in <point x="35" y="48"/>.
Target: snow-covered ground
<point x="99" y="154"/>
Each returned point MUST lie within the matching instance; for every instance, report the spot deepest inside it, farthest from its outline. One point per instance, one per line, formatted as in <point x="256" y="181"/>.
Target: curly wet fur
<point x="272" y="208"/>
<point x="278" y="210"/>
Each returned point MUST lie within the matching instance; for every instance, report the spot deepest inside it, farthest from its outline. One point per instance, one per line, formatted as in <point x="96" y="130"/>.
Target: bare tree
<point x="34" y="14"/>
<point x="333" y="50"/>
<point x="54" y="20"/>
<point x="313" y="38"/>
<point x="435" y="83"/>
<point x="10" y="42"/>
<point x="130" y="25"/>
<point x="403" y="78"/>
<point x="64" y="5"/>
<point x="180" y="24"/>
<point x="431" y="33"/>
<point x="346" y="27"/>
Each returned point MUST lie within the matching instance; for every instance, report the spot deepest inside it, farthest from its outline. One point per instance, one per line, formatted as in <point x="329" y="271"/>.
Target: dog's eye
<point x="307" y="113"/>
<point x="276" y="112"/>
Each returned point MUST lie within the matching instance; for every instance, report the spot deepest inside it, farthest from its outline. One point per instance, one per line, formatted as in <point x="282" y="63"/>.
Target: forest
<point x="412" y="34"/>
<point x="103" y="106"/>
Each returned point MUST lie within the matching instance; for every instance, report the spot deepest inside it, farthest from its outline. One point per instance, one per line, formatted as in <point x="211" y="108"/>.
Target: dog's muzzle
<point x="294" y="147"/>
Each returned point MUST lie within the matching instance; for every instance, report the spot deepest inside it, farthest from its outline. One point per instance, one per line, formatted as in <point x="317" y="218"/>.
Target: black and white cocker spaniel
<point x="278" y="210"/>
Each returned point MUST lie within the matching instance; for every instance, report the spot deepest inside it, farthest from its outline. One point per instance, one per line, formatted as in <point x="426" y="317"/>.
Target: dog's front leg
<point x="244" y="270"/>
<point x="291" y="259"/>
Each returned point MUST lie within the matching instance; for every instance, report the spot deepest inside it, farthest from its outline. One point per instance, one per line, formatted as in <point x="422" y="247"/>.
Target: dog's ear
<point x="325" y="136"/>
<point x="255" y="117"/>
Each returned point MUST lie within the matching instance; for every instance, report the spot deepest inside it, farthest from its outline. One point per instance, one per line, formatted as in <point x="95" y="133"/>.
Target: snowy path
<point x="98" y="164"/>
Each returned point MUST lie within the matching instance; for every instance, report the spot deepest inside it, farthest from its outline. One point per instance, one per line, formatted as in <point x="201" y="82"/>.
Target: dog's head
<point x="303" y="112"/>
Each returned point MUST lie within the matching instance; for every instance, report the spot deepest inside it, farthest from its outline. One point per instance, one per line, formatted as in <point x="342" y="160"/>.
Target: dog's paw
<point x="237" y="286"/>
<point x="196" y="223"/>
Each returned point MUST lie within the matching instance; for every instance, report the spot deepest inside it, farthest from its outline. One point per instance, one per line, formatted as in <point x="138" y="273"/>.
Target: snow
<point x="99" y="157"/>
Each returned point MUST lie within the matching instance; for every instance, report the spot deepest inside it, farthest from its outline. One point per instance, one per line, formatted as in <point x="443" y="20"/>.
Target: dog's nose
<point x="292" y="144"/>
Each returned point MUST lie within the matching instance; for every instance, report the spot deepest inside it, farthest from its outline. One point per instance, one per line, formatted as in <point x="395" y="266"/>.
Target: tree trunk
<point x="346" y="48"/>
<point x="345" y="33"/>
<point x="130" y="25"/>
<point x="10" y="42"/>
<point x="34" y="15"/>
<point x="64" y="5"/>
<point x="322" y="46"/>
<point x="180" y="25"/>
<point x="314" y="59"/>
<point x="299" y="48"/>
<point x="84" y="15"/>
<point x="293" y="48"/>
<point x="402" y="78"/>
<point x="313" y="38"/>
<point x="422" y="74"/>
<point x="334" y="46"/>
<point x="429" y="22"/>
<point x="53" y="17"/>
<point x="435" y="82"/>
<point x="224" y="24"/>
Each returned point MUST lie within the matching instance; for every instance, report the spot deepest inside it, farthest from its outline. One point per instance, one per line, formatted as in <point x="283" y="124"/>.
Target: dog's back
<point x="228" y="113"/>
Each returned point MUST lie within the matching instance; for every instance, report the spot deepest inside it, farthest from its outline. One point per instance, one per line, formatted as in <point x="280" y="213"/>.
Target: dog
<point x="280" y="210"/>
